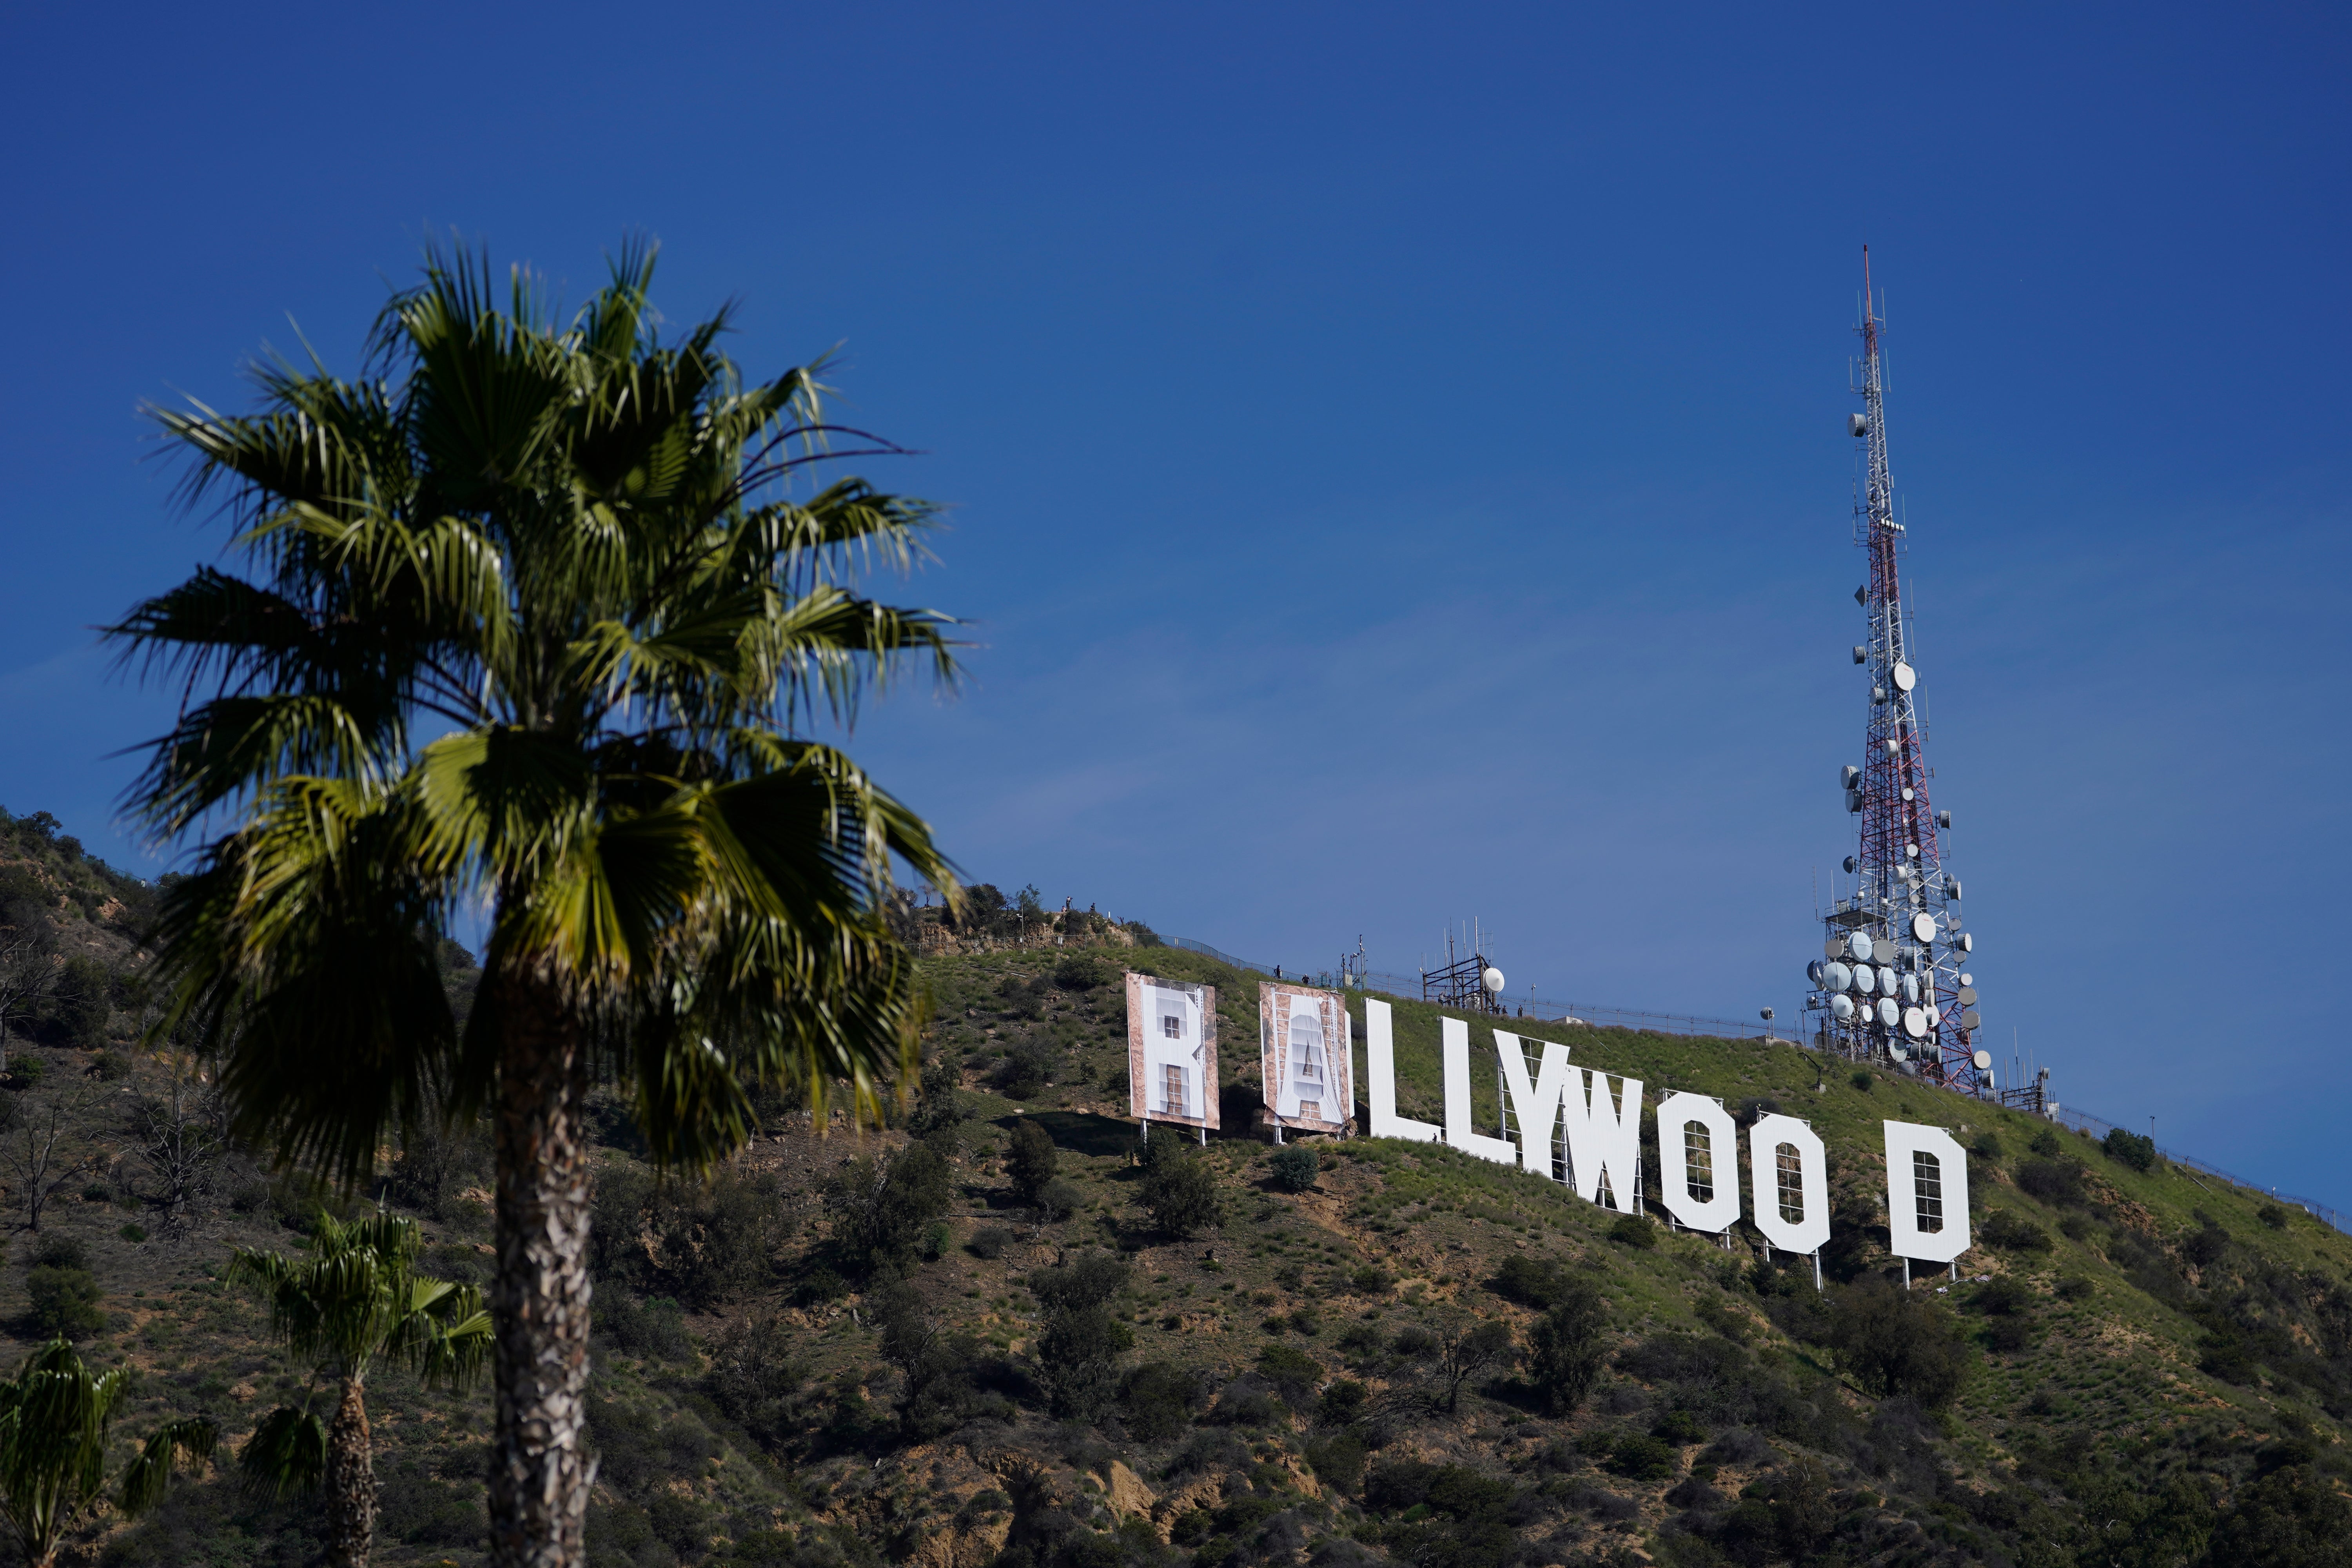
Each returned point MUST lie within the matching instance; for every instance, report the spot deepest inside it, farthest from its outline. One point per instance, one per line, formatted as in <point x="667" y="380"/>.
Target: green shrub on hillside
<point x="1294" y="1167"/>
<point x="1078" y="1352"/>
<point x="1028" y="1068"/>
<point x="1893" y="1343"/>
<point x="704" y="1243"/>
<point x="1158" y="1400"/>
<point x="1567" y="1346"/>
<point x="2053" y="1181"/>
<point x="2008" y="1232"/>
<point x="626" y="1322"/>
<point x="64" y="1301"/>
<point x="81" y="1001"/>
<point x="887" y="1207"/>
<point x="2136" y="1149"/>
<point x="1031" y="1159"/>
<point x="1178" y="1190"/>
<point x="1632" y="1230"/>
<point x="1057" y="1200"/>
<point x="941" y="1107"/>
<point x="1292" y="1372"/>
<point x="1531" y="1282"/>
<point x="1078" y="972"/>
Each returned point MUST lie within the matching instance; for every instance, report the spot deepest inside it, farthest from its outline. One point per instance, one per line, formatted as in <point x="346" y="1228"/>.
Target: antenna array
<point x="1894" y="981"/>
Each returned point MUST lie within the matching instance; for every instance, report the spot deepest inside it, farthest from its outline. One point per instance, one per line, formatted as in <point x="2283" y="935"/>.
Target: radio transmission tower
<point x="1893" y="982"/>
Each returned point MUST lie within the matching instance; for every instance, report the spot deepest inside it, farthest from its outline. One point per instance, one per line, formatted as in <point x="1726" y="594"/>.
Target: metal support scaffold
<point x="1467" y="982"/>
<point x="1892" y="983"/>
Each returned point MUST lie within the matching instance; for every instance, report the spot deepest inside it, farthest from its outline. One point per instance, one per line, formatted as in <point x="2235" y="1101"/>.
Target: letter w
<point x="1604" y="1141"/>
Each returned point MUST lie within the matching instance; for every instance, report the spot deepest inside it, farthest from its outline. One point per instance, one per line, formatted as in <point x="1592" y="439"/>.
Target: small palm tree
<point x="534" y="626"/>
<point x="55" y="1419"/>
<point x="355" y="1300"/>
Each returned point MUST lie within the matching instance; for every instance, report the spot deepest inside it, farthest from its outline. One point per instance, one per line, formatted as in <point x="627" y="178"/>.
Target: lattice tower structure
<point x="1904" y="898"/>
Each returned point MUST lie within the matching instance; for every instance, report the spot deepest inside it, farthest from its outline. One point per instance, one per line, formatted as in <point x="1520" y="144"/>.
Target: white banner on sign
<point x="1171" y="1045"/>
<point x="1303" y="1058"/>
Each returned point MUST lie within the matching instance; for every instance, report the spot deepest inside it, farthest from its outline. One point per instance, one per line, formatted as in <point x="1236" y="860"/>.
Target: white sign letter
<point x="1679" y="1162"/>
<point x="1537" y="1110"/>
<point x="1379" y="1068"/>
<point x="1457" y="1099"/>
<point x="1926" y="1192"/>
<point x="1788" y="1168"/>
<point x="1603" y="1141"/>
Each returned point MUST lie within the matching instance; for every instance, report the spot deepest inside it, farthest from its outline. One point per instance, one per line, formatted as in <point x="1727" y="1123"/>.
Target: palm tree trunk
<point x="539" y="1469"/>
<point x="350" y="1482"/>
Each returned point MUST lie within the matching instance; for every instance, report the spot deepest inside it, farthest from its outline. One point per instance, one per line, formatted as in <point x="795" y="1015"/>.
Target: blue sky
<point x="1397" y="455"/>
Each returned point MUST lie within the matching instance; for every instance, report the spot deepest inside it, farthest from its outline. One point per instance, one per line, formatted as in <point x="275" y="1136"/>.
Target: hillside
<point x="956" y="1342"/>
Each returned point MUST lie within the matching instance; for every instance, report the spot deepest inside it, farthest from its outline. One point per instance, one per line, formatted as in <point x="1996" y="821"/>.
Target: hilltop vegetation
<point x="996" y="1332"/>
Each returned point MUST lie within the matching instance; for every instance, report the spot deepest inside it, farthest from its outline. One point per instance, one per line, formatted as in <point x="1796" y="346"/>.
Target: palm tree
<point x="55" y="1419"/>
<point x="535" y="623"/>
<point x="355" y="1299"/>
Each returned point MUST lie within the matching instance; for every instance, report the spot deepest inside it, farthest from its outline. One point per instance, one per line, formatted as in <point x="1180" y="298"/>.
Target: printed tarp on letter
<point x="1171" y="1050"/>
<point x="1303" y="1047"/>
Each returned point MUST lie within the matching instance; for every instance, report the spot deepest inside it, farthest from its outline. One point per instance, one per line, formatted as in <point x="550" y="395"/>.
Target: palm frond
<point x="149" y="1476"/>
<point x="287" y="1453"/>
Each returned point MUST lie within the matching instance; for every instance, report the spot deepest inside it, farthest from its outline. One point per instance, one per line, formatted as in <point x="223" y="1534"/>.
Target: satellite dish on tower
<point x="1983" y="1060"/>
<point x="1865" y="979"/>
<point x="1816" y="970"/>
<point x="1840" y="1008"/>
<point x="1906" y="678"/>
<point x="1888" y="1013"/>
<point x="1493" y="981"/>
<point x="1922" y="926"/>
<point x="1837" y="976"/>
<point x="1915" y="1023"/>
<point x="1851" y="865"/>
<point x="1858" y="944"/>
<point x="1857" y="425"/>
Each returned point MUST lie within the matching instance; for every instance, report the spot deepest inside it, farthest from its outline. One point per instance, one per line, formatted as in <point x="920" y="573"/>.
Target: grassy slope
<point x="2113" y="1371"/>
<point x="2109" y="1365"/>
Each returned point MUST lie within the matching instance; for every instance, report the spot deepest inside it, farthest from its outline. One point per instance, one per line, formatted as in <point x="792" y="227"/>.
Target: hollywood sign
<point x="1572" y="1128"/>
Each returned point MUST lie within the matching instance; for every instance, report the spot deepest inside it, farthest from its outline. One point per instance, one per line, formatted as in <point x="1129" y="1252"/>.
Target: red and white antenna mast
<point x="1893" y="982"/>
